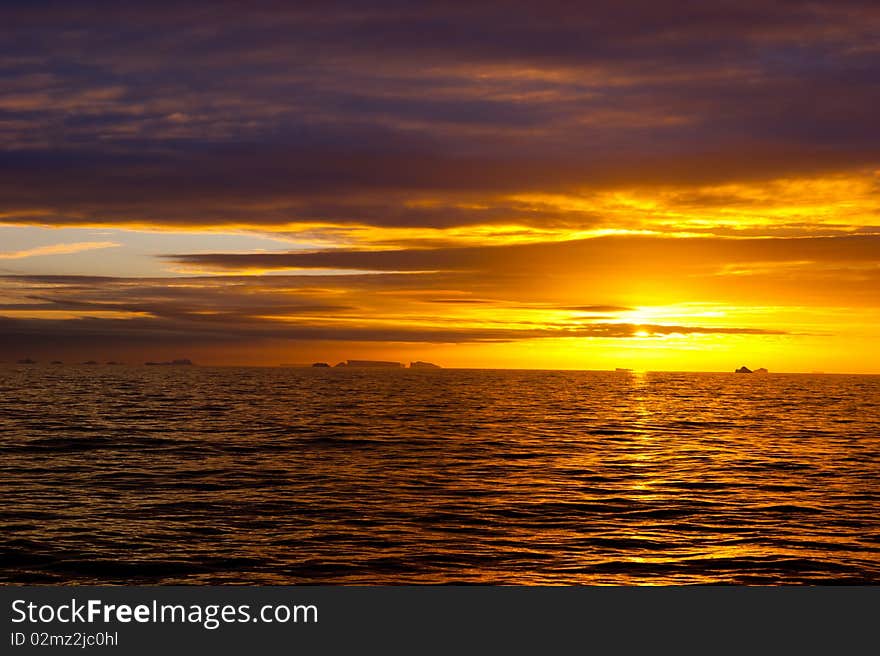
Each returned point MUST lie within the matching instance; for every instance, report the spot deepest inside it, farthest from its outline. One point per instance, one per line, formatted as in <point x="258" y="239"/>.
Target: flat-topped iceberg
<point x="380" y="364"/>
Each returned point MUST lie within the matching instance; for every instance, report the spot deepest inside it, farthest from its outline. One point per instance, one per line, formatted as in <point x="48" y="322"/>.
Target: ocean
<point x="203" y="475"/>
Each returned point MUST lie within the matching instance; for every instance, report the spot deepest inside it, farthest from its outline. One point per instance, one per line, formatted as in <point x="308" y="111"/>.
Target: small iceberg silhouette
<point x="745" y="370"/>
<point x="171" y="363"/>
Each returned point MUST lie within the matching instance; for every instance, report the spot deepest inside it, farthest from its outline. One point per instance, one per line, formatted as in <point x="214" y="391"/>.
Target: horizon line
<point x="49" y="362"/>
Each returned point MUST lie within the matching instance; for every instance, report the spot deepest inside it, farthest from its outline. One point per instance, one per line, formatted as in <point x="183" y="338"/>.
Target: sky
<point x="657" y="186"/>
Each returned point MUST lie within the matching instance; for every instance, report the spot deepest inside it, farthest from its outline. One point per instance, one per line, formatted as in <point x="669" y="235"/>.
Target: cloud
<point x="58" y="249"/>
<point x="258" y="310"/>
<point x="653" y="251"/>
<point x="418" y="116"/>
<point x="598" y="309"/>
<point x="840" y="270"/>
<point x="115" y="332"/>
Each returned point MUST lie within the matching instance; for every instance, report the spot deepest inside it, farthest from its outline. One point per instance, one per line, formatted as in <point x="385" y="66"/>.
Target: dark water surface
<point x="254" y="475"/>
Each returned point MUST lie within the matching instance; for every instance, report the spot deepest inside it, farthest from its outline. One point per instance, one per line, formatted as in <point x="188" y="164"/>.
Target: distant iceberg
<point x="373" y="364"/>
<point x="418" y="364"/>
<point x="176" y="363"/>
<point x="745" y="370"/>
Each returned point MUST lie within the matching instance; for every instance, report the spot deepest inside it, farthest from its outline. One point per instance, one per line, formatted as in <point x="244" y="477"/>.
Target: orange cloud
<point x="58" y="249"/>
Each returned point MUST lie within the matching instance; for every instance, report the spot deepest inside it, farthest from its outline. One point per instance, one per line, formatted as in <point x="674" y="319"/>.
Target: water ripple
<point x="225" y="475"/>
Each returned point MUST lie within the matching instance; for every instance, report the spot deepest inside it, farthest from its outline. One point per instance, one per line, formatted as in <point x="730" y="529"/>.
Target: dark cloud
<point x="571" y="256"/>
<point x="275" y="113"/>
<point x="78" y="313"/>
<point x="100" y="335"/>
<point x="618" y="270"/>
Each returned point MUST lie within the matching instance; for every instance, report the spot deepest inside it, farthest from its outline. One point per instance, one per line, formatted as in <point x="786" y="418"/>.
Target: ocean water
<point x="192" y="475"/>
